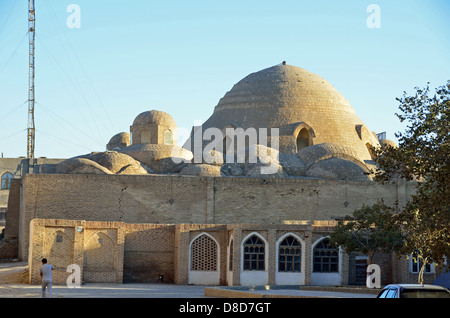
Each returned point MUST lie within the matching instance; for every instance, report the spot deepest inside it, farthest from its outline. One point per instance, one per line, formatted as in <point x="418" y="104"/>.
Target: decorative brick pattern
<point x="204" y="254"/>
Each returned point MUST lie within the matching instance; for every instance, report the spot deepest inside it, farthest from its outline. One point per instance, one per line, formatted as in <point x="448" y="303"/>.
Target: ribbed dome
<point x="155" y="117"/>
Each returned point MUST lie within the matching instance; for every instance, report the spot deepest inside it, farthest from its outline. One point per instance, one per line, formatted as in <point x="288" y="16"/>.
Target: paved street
<point x="106" y="291"/>
<point x="151" y="291"/>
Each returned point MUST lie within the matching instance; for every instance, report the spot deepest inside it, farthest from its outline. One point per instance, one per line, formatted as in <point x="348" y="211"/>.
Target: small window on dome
<point x="168" y="137"/>
<point x="303" y="139"/>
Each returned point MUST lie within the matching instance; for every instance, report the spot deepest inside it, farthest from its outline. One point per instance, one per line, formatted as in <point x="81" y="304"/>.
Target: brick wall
<point x="147" y="203"/>
<point x="181" y="199"/>
<point x="116" y="252"/>
<point x="149" y="253"/>
<point x="96" y="247"/>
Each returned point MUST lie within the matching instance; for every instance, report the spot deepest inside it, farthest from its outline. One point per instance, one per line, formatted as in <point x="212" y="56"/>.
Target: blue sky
<point x="181" y="57"/>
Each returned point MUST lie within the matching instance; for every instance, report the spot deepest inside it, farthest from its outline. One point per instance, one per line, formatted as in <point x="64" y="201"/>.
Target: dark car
<point x="414" y="291"/>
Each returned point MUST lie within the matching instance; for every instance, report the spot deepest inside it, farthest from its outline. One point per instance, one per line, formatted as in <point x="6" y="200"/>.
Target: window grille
<point x="254" y="254"/>
<point x="204" y="254"/>
<point x="326" y="258"/>
<point x="289" y="255"/>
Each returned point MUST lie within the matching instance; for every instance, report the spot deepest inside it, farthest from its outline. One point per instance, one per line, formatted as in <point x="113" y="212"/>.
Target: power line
<point x="73" y="84"/>
<point x="8" y="16"/>
<point x="12" y="111"/>
<point x="63" y="141"/>
<point x="13" y="134"/>
<point x="106" y="114"/>
<point x="67" y="122"/>
<point x="12" y="54"/>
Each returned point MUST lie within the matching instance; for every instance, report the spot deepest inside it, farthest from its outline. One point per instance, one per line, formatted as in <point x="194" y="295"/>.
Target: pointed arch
<point x="59" y="248"/>
<point x="254" y="253"/>
<point x="304" y="135"/>
<point x="289" y="253"/>
<point x="290" y="260"/>
<point x="99" y="252"/>
<point x="326" y="263"/>
<point x="325" y="257"/>
<point x="204" y="251"/>
<point x="254" y="260"/>
<point x="204" y="260"/>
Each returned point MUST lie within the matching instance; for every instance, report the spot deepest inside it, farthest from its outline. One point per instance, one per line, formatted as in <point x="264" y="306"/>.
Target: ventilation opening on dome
<point x="303" y="139"/>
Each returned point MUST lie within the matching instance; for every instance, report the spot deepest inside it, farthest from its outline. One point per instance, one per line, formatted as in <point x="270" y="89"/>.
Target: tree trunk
<point x="422" y="269"/>
<point x="370" y="257"/>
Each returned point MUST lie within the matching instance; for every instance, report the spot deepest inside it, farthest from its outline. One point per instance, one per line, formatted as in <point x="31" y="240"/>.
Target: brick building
<point x="147" y="208"/>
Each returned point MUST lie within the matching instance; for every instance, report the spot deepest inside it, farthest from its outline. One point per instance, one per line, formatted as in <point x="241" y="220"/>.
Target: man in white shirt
<point x="46" y="274"/>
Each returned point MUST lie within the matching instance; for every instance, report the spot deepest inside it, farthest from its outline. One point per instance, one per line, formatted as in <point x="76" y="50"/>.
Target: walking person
<point x="46" y="274"/>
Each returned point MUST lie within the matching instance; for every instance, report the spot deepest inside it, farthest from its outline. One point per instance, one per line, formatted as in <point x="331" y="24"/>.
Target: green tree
<point x="423" y="155"/>
<point x="369" y="230"/>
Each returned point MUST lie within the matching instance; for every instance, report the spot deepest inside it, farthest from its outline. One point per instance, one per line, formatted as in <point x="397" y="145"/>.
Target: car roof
<point x="415" y="286"/>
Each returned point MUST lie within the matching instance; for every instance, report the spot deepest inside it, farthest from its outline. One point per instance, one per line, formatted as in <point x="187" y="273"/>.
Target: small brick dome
<point x="154" y="117"/>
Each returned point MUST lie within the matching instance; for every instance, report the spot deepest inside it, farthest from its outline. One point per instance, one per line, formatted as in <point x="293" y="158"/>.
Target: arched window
<point x="204" y="254"/>
<point x="6" y="180"/>
<point x="168" y="137"/>
<point x="326" y="257"/>
<point x="289" y="255"/>
<point x="254" y="254"/>
<point x="303" y="139"/>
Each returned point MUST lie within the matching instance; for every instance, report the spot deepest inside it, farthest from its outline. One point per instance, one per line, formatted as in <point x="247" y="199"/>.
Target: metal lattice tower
<point x="31" y="37"/>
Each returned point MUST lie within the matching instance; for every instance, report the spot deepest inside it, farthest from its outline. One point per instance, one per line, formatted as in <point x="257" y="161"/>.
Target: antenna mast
<point x="31" y="37"/>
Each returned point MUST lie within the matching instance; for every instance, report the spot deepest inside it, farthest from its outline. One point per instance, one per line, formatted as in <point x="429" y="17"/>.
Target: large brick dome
<point x="306" y="108"/>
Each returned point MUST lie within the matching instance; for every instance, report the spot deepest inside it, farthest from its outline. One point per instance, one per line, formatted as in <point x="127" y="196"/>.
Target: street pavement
<point x="97" y="290"/>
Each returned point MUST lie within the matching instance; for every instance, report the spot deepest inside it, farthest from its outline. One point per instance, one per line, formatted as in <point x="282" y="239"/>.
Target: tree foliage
<point x="369" y="230"/>
<point x="423" y="155"/>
